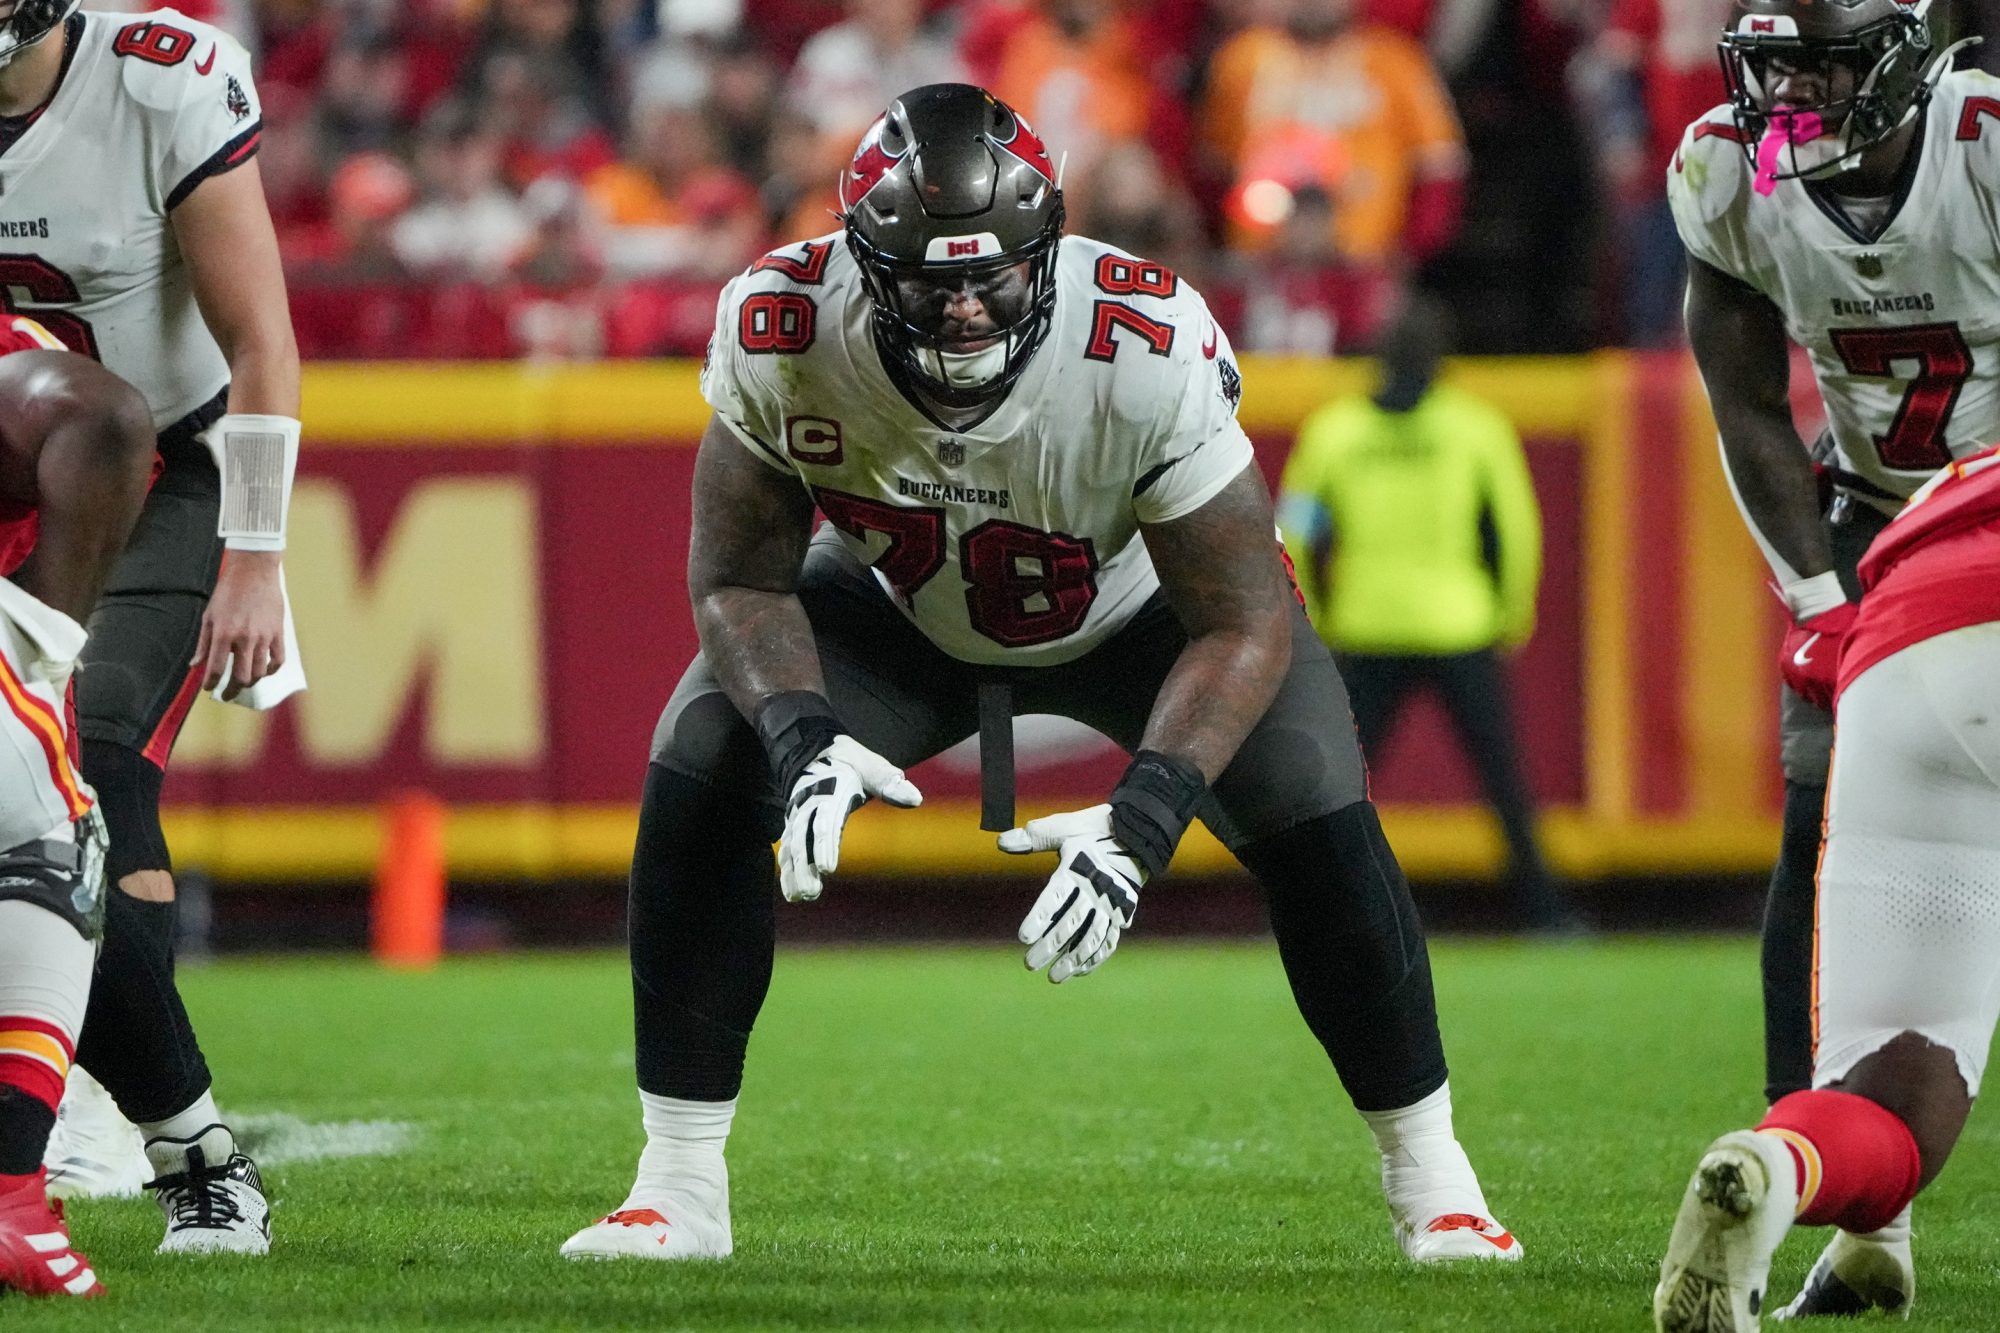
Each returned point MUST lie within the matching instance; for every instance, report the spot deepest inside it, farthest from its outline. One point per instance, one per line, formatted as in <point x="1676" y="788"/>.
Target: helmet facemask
<point x="29" y="23"/>
<point x="1017" y="294"/>
<point x="1877" y="79"/>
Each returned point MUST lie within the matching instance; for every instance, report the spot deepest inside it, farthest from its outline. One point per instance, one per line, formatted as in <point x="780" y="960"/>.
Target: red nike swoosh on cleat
<point x="1476" y="1225"/>
<point x="205" y="66"/>
<point x="636" y="1217"/>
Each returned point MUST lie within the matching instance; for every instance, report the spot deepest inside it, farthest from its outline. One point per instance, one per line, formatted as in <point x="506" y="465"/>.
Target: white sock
<point x="188" y="1123"/>
<point x="684" y="1142"/>
<point x="1424" y="1171"/>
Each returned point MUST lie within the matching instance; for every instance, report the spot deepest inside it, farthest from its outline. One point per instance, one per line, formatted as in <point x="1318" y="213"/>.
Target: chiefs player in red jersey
<point x="76" y="456"/>
<point x="1907" y="983"/>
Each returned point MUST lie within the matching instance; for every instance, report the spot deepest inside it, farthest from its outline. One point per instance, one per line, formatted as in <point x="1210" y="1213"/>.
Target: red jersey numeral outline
<point x="783" y="323"/>
<point x="155" y="43"/>
<point x="1024" y="586"/>
<point x="1108" y="316"/>
<point x="46" y="288"/>
<point x="1916" y="438"/>
<point x="1119" y="276"/>
<point x="808" y="271"/>
<point x="1972" y="119"/>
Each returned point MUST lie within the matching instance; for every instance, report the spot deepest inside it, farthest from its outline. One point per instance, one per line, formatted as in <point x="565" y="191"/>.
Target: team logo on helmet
<point x="1027" y="146"/>
<point x="873" y="160"/>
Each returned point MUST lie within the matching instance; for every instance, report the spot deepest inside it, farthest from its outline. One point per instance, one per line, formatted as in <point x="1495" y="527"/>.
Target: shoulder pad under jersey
<point x="1709" y="169"/>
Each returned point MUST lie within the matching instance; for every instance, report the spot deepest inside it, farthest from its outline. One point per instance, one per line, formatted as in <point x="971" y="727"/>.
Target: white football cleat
<point x="1854" y="1275"/>
<point x="1436" y="1207"/>
<point x="94" y="1152"/>
<point x="1458" y="1236"/>
<point x="1734" y="1215"/>
<point x="212" y="1195"/>
<point x="671" y="1226"/>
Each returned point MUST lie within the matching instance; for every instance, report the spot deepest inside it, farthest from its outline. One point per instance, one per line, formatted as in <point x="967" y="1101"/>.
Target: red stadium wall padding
<point x="488" y="566"/>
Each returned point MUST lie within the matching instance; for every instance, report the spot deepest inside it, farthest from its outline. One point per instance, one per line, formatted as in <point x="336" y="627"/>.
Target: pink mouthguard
<point x="1787" y="127"/>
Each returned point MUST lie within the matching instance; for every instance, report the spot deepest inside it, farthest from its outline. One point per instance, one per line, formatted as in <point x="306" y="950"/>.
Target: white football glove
<point x="1090" y="899"/>
<point x="831" y="788"/>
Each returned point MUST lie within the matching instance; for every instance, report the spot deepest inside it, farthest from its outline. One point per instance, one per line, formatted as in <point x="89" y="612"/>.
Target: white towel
<point x="281" y="684"/>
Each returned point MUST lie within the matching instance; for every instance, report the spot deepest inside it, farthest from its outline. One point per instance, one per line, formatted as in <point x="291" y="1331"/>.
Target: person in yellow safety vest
<point x="1412" y="525"/>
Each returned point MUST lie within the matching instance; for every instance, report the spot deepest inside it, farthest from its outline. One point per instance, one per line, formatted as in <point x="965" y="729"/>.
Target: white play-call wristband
<point x="257" y="456"/>
<point x="1814" y="596"/>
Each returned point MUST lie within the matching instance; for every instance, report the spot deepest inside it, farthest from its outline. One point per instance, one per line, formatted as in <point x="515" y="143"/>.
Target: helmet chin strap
<point x="966" y="370"/>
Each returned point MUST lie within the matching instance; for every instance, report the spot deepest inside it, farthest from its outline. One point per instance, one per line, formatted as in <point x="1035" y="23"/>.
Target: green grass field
<point x="931" y="1139"/>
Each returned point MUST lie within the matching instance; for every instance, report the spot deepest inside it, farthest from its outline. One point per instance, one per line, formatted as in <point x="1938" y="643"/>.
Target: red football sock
<point x="1857" y="1162"/>
<point x="35" y="1056"/>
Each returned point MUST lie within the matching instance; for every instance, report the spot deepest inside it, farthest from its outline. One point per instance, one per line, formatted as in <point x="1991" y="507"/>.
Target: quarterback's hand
<point x="831" y="788"/>
<point x="1090" y="899"/>
<point x="243" y="629"/>
<point x="1809" y="661"/>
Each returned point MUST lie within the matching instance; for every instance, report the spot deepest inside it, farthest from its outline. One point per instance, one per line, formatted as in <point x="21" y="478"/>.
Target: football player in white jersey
<point x="1037" y="497"/>
<point x="1844" y="199"/>
<point x="133" y="226"/>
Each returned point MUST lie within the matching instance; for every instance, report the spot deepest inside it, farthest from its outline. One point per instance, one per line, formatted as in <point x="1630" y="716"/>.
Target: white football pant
<point x="1908" y="936"/>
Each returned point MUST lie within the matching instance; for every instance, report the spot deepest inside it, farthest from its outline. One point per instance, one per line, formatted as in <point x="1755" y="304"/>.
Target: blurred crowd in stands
<point x="577" y="178"/>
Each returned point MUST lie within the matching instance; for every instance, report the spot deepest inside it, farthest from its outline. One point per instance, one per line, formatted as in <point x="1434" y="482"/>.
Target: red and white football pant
<point x="45" y="961"/>
<point x="1908" y="935"/>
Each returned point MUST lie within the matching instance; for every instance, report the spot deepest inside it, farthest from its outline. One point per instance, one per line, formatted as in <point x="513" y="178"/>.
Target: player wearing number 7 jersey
<point x="1845" y="197"/>
<point x="133" y="227"/>
<point x="1026" y="450"/>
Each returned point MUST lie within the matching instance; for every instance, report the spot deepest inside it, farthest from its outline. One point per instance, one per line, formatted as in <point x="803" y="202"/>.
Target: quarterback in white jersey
<point x="1037" y="500"/>
<point x="133" y="227"/>
<point x="1844" y="198"/>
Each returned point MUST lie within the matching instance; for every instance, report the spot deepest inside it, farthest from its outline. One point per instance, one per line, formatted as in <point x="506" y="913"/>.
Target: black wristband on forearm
<point x="1151" y="807"/>
<point x="795" y="727"/>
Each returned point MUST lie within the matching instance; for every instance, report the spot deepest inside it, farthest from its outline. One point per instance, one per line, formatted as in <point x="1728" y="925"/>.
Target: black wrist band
<point x="795" y="727"/>
<point x="1152" y="805"/>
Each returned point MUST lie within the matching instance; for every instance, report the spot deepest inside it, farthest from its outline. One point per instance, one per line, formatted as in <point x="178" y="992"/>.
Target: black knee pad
<point x="1354" y="953"/>
<point x="708" y="743"/>
<point x="55" y="876"/>
<point x="128" y="792"/>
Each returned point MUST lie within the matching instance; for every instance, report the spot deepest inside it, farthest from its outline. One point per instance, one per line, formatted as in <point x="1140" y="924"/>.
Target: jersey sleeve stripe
<point x="226" y="158"/>
<point x="1154" y="473"/>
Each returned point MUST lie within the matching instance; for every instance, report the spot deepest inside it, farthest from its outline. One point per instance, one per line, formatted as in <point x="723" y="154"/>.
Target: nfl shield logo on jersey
<point x="951" y="452"/>
<point x="1868" y="266"/>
